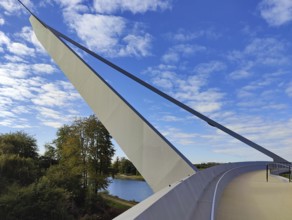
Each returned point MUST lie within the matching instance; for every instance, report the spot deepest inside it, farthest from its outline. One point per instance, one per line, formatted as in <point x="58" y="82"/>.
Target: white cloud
<point x="263" y="131"/>
<point x="136" y="45"/>
<point x="261" y="51"/>
<point x="6" y="122"/>
<point x="29" y="36"/>
<point x="240" y="74"/>
<point x="12" y="6"/>
<point x="4" y="40"/>
<point x="276" y="12"/>
<point x="19" y="93"/>
<point x="175" y="53"/>
<point x="43" y="68"/>
<point x="6" y="114"/>
<point x="170" y="118"/>
<point x="14" y="58"/>
<point x="179" y="137"/>
<point x="50" y="113"/>
<point x="209" y="67"/>
<point x="54" y="94"/>
<point x="49" y="101"/>
<point x="189" y="89"/>
<point x="55" y="118"/>
<point x="2" y="21"/>
<point x="274" y="135"/>
<point x="13" y="70"/>
<point x="21" y="70"/>
<point x="53" y="124"/>
<point x="21" y="109"/>
<point x="107" y="34"/>
<point x="69" y="3"/>
<point x="205" y="107"/>
<point x="134" y="6"/>
<point x="21" y="49"/>
<point x="263" y="93"/>
<point x="170" y="57"/>
<point x="183" y="35"/>
<point x="18" y="123"/>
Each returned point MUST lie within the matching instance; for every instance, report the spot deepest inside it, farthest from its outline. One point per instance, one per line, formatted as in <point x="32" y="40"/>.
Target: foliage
<point x="124" y="166"/>
<point x="85" y="148"/>
<point x="18" y="143"/>
<point x="36" y="201"/>
<point x="18" y="170"/>
<point x="64" y="182"/>
<point x="202" y="166"/>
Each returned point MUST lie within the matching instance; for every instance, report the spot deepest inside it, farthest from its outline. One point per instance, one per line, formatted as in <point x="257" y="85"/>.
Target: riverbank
<point x="129" y="177"/>
<point x="117" y="202"/>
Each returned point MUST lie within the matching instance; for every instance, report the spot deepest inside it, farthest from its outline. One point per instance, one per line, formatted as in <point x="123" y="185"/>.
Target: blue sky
<point x="229" y="59"/>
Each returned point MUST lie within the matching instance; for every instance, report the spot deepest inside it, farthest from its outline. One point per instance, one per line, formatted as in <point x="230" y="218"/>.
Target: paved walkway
<point x="250" y="197"/>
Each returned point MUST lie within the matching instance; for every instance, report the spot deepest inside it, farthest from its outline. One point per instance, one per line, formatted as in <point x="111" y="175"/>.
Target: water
<point x="130" y="189"/>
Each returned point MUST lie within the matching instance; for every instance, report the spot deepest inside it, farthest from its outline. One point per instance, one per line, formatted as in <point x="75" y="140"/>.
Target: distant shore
<point x="129" y="177"/>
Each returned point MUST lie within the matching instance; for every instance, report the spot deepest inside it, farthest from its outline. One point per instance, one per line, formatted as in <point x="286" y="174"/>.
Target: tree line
<point x="64" y="182"/>
<point x="124" y="166"/>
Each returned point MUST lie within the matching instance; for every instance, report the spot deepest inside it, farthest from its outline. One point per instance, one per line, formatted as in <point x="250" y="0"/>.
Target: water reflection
<point x="130" y="189"/>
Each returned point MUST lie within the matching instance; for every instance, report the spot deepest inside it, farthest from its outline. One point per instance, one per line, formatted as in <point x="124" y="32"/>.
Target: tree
<point x="36" y="201"/>
<point x="18" y="160"/>
<point x="17" y="170"/>
<point x="18" y="143"/>
<point x="85" y="146"/>
<point x="116" y="166"/>
<point x="61" y="184"/>
<point x="49" y="158"/>
<point x="51" y="152"/>
<point x="100" y="152"/>
<point x="127" y="167"/>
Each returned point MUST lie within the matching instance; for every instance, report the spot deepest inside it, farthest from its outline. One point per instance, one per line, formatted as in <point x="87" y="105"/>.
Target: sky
<point x="228" y="59"/>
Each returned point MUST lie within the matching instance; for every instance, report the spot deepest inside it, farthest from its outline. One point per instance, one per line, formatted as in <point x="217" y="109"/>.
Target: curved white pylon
<point x="154" y="157"/>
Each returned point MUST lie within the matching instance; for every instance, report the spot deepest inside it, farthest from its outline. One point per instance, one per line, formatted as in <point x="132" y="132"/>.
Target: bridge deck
<point x="249" y="196"/>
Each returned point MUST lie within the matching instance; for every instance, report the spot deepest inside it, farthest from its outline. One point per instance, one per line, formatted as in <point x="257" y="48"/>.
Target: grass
<point x="129" y="177"/>
<point x="117" y="202"/>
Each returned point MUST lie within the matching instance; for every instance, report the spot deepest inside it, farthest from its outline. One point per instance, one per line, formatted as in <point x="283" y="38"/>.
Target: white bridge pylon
<point x="154" y="157"/>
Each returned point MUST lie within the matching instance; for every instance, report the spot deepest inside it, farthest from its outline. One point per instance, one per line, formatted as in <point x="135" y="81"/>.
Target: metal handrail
<point x="278" y="168"/>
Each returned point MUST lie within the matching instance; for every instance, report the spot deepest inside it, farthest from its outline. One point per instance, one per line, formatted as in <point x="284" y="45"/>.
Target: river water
<point x="130" y="189"/>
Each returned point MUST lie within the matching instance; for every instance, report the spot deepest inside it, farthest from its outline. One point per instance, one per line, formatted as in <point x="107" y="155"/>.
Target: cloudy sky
<point x="228" y="59"/>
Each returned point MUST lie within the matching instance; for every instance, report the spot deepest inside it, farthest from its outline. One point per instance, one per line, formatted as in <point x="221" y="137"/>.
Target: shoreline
<point x="129" y="177"/>
<point x="117" y="201"/>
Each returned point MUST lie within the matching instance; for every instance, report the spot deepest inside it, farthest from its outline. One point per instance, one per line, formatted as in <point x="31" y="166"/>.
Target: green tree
<point x="34" y="202"/>
<point x="127" y="167"/>
<point x="17" y="170"/>
<point x="49" y="158"/>
<point x="18" y="143"/>
<point x="85" y="147"/>
<point x="116" y="165"/>
<point x="18" y="160"/>
<point x="100" y="152"/>
<point x="51" y="152"/>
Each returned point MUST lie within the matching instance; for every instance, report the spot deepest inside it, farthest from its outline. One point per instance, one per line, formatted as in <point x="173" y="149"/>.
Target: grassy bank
<point x="117" y="202"/>
<point x="129" y="177"/>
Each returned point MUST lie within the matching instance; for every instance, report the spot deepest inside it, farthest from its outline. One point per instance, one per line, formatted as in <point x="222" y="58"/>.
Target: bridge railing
<point x="279" y="168"/>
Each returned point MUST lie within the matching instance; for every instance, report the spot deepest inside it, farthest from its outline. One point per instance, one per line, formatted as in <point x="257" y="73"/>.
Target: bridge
<point x="228" y="191"/>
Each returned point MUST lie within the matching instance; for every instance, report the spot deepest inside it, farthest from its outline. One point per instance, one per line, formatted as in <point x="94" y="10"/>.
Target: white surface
<point x="154" y="158"/>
